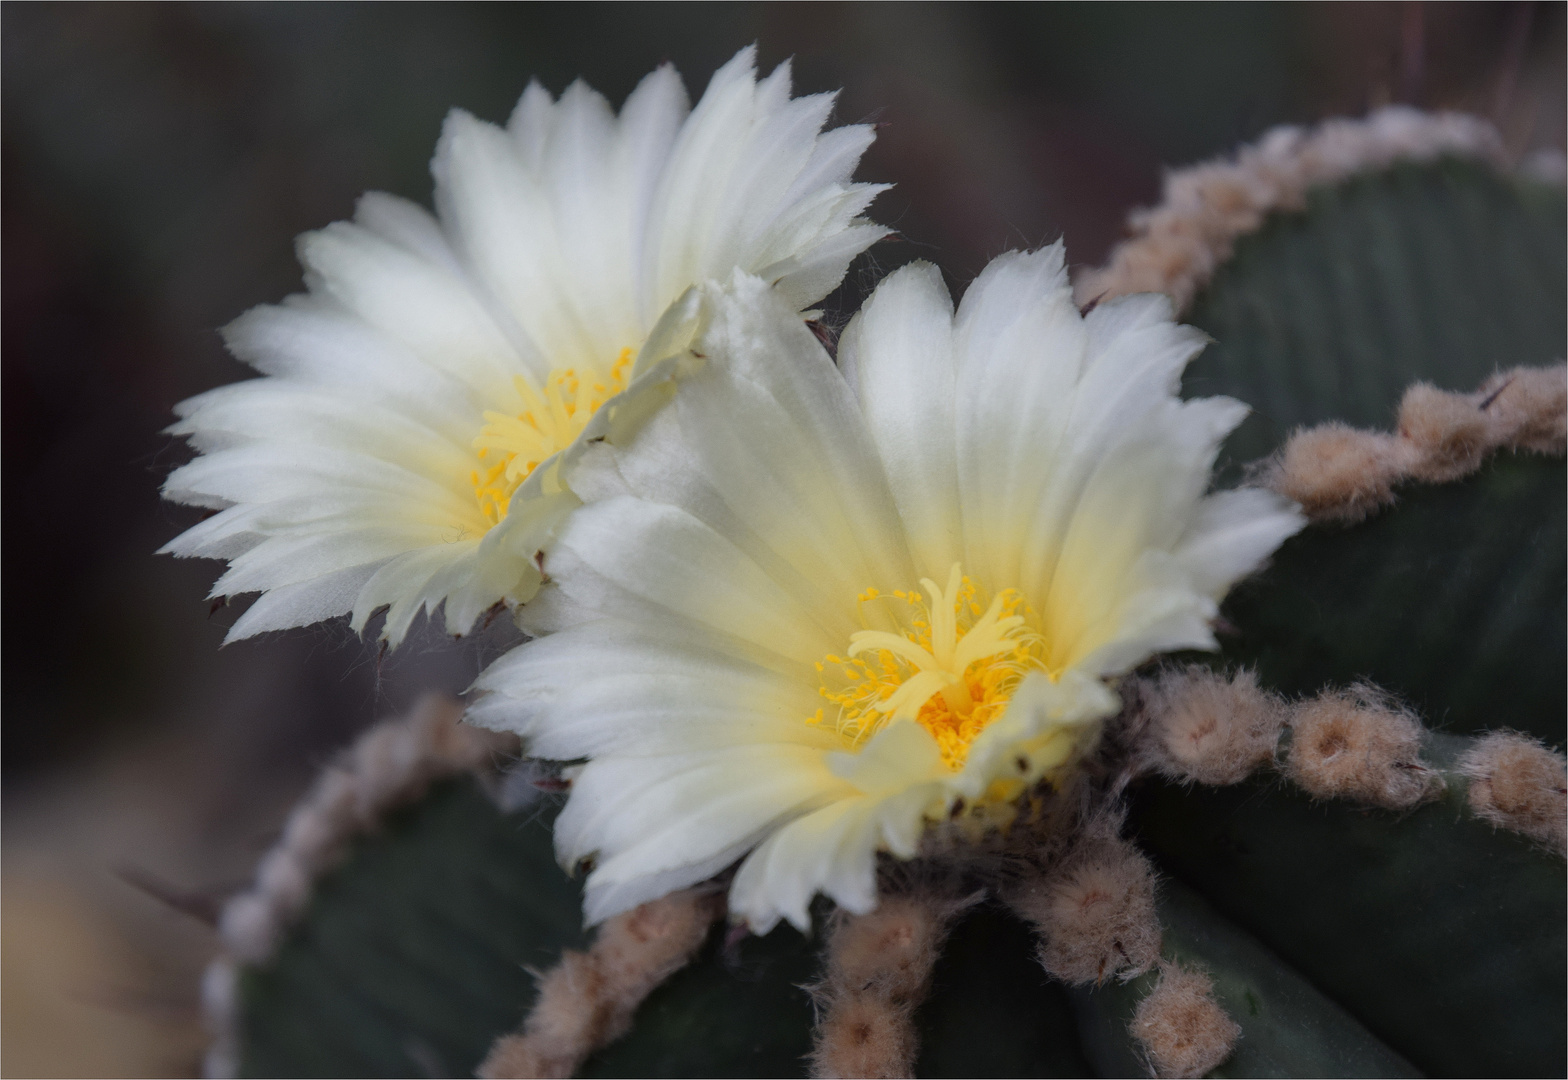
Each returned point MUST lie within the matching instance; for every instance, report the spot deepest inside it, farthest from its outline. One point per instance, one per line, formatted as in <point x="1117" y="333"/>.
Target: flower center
<point x="951" y="668"/>
<point x="511" y="447"/>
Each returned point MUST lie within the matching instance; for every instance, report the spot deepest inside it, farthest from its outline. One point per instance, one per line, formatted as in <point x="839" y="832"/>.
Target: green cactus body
<point x="1344" y="941"/>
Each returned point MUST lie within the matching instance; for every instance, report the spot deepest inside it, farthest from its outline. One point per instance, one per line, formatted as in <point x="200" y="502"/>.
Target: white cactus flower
<point x="399" y="451"/>
<point x="806" y="611"/>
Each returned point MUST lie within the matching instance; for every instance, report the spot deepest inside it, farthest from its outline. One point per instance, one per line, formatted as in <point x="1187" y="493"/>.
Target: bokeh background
<point x="158" y="161"/>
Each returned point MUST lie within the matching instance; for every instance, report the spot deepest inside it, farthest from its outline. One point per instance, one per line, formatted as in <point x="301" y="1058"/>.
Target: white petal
<point x="1021" y="347"/>
<point x="899" y="756"/>
<point x="1125" y="392"/>
<point x="635" y="559"/>
<point x="611" y="687"/>
<point x="264" y="471"/>
<point x="503" y="225"/>
<point x="833" y="160"/>
<point x="301" y="604"/>
<point x="303" y="415"/>
<point x="403" y="585"/>
<point x="804" y="279"/>
<point x="605" y="899"/>
<point x="418" y="304"/>
<point x="313" y="342"/>
<point x="750" y="183"/>
<point x="531" y="123"/>
<point x="596" y="220"/>
<point x="407" y="224"/>
<point x="1136" y="500"/>
<point x="832" y="851"/>
<point x="900" y="349"/>
<point x="1232" y="534"/>
<point x="645" y="815"/>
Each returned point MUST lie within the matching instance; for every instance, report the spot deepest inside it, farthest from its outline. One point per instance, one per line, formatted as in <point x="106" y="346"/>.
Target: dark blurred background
<point x="158" y="161"/>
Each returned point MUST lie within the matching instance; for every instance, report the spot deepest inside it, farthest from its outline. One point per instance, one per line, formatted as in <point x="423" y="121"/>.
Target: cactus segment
<point x="1454" y="600"/>
<point x="1440" y="934"/>
<point x="414" y="954"/>
<point x="739" y="1009"/>
<point x="1288" y="1028"/>
<point x="1443" y="936"/>
<point x="988" y="980"/>
<point x="1443" y="273"/>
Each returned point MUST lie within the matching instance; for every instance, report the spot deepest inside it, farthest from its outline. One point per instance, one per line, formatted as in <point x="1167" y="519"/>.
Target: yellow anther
<point x="550" y="419"/>
<point x="952" y="671"/>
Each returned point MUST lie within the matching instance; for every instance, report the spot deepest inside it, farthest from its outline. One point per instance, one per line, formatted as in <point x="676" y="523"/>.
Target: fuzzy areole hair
<point x="1176" y="246"/>
<point x="588" y="999"/>
<point x="1343" y="474"/>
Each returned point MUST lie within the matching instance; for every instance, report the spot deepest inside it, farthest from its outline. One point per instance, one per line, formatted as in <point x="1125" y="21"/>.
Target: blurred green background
<point x="158" y="161"/>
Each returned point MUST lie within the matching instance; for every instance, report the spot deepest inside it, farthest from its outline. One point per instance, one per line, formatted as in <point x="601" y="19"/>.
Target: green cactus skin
<point x="1288" y="1028"/>
<point x="1443" y="272"/>
<point x="1443" y="936"/>
<point x="742" y="1003"/>
<point x="415" y="952"/>
<point x="1382" y="600"/>
<point x="1446" y="273"/>
<point x="988" y="980"/>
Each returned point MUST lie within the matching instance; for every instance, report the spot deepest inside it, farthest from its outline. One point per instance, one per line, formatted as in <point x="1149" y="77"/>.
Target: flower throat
<point x="512" y="447"/>
<point x="952" y="669"/>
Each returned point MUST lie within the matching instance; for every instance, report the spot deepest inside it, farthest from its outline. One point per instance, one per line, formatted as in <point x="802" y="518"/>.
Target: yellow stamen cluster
<point x="550" y="420"/>
<point x="952" y="669"/>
